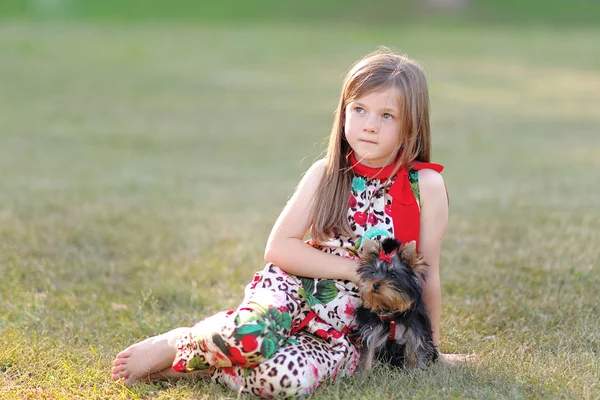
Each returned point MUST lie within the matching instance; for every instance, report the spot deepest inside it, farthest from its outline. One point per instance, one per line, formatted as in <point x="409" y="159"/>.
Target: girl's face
<point x="372" y="125"/>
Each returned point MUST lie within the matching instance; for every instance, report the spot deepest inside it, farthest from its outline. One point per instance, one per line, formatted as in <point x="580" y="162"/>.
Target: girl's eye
<point x="387" y="116"/>
<point x="359" y="110"/>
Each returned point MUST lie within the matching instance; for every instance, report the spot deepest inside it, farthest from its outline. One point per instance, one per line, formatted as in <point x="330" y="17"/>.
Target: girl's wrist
<point x="352" y="274"/>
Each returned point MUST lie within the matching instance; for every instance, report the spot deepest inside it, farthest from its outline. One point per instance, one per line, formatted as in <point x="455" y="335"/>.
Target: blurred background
<point x="147" y="147"/>
<point x="482" y="11"/>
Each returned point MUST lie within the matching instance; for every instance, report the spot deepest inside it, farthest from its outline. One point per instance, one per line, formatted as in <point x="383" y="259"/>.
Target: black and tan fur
<point x="393" y="292"/>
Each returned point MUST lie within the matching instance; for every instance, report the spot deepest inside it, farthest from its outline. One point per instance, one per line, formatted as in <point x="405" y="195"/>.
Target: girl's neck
<point x="372" y="172"/>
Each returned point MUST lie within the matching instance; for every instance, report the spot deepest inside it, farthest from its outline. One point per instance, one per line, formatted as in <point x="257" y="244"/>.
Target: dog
<point x="392" y="323"/>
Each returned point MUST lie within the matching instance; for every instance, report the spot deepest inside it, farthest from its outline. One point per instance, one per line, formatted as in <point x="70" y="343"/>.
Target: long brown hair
<point x="379" y="70"/>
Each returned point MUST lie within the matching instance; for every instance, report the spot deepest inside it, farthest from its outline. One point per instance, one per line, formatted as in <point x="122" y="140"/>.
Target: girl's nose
<point x="370" y="124"/>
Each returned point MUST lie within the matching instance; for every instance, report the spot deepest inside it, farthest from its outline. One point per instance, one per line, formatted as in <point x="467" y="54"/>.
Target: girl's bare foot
<point x="142" y="359"/>
<point x="459" y="359"/>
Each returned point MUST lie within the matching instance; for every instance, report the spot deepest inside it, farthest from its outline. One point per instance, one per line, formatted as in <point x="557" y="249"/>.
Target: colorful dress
<point x="290" y="334"/>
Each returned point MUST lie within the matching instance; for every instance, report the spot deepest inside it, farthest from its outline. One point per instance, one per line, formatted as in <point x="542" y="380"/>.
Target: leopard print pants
<point x="287" y="337"/>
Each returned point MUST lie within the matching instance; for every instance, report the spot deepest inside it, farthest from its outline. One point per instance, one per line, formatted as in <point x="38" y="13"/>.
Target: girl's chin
<point x="371" y="162"/>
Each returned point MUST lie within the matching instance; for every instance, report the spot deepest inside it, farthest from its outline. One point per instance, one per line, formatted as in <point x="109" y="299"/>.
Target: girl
<point x="290" y="333"/>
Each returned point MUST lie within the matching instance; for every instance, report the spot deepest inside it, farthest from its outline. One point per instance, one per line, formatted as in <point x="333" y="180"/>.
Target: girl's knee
<point x="282" y="381"/>
<point x="174" y="335"/>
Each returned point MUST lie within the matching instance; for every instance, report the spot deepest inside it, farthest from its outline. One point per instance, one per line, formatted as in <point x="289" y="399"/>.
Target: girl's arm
<point x="434" y="219"/>
<point x="285" y="246"/>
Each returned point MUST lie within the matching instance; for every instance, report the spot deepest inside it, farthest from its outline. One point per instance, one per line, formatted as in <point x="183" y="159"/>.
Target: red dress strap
<point x="417" y="166"/>
<point x="405" y="210"/>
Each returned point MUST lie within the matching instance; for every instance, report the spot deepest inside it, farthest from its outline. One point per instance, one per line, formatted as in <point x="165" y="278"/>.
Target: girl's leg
<point x="298" y="368"/>
<point x="244" y="337"/>
<point x="149" y="356"/>
<point x="255" y="331"/>
<point x="169" y="373"/>
<point x="271" y="309"/>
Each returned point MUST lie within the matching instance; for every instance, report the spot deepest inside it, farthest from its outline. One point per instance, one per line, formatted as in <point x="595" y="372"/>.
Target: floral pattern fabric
<point x="290" y="334"/>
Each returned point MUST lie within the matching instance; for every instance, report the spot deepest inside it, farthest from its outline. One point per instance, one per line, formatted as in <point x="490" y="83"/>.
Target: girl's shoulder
<point x="431" y="183"/>
<point x="431" y="178"/>
<point x="427" y="174"/>
<point x="314" y="174"/>
<point x="317" y="169"/>
<point x="320" y="163"/>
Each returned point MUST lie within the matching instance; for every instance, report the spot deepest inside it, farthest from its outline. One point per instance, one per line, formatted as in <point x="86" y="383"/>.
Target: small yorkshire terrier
<point x="393" y="325"/>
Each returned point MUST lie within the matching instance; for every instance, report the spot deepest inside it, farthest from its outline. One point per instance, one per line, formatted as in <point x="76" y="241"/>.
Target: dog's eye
<point x="393" y="275"/>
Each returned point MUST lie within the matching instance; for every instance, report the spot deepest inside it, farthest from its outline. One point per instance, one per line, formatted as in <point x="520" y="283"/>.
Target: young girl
<point x="290" y="333"/>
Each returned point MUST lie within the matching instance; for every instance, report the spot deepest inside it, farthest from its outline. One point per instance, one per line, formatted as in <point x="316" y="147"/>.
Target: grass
<point x="143" y="165"/>
<point x="391" y="12"/>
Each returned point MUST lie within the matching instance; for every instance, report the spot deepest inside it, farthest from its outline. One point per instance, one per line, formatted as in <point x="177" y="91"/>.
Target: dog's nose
<point x="376" y="285"/>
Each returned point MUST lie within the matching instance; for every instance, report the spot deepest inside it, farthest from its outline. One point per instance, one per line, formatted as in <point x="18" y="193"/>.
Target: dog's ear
<point x="389" y="245"/>
<point x="369" y="246"/>
<point x="408" y="252"/>
<point x="409" y="255"/>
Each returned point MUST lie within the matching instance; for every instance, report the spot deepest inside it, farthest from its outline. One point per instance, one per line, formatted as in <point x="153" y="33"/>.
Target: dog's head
<point x="390" y="276"/>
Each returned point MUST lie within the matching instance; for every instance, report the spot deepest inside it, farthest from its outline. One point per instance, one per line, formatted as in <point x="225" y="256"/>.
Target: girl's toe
<point x="118" y="368"/>
<point x="124" y="354"/>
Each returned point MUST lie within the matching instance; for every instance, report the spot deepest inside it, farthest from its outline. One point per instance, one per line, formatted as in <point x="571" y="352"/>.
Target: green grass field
<point x="142" y="166"/>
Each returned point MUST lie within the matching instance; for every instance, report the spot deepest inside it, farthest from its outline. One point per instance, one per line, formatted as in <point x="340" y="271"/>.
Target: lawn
<point x="142" y="165"/>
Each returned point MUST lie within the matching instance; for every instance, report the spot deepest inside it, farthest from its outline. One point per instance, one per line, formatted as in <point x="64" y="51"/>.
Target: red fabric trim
<point x="405" y="210"/>
<point x="424" y="165"/>
<point x="369" y="172"/>
<point x="309" y="317"/>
